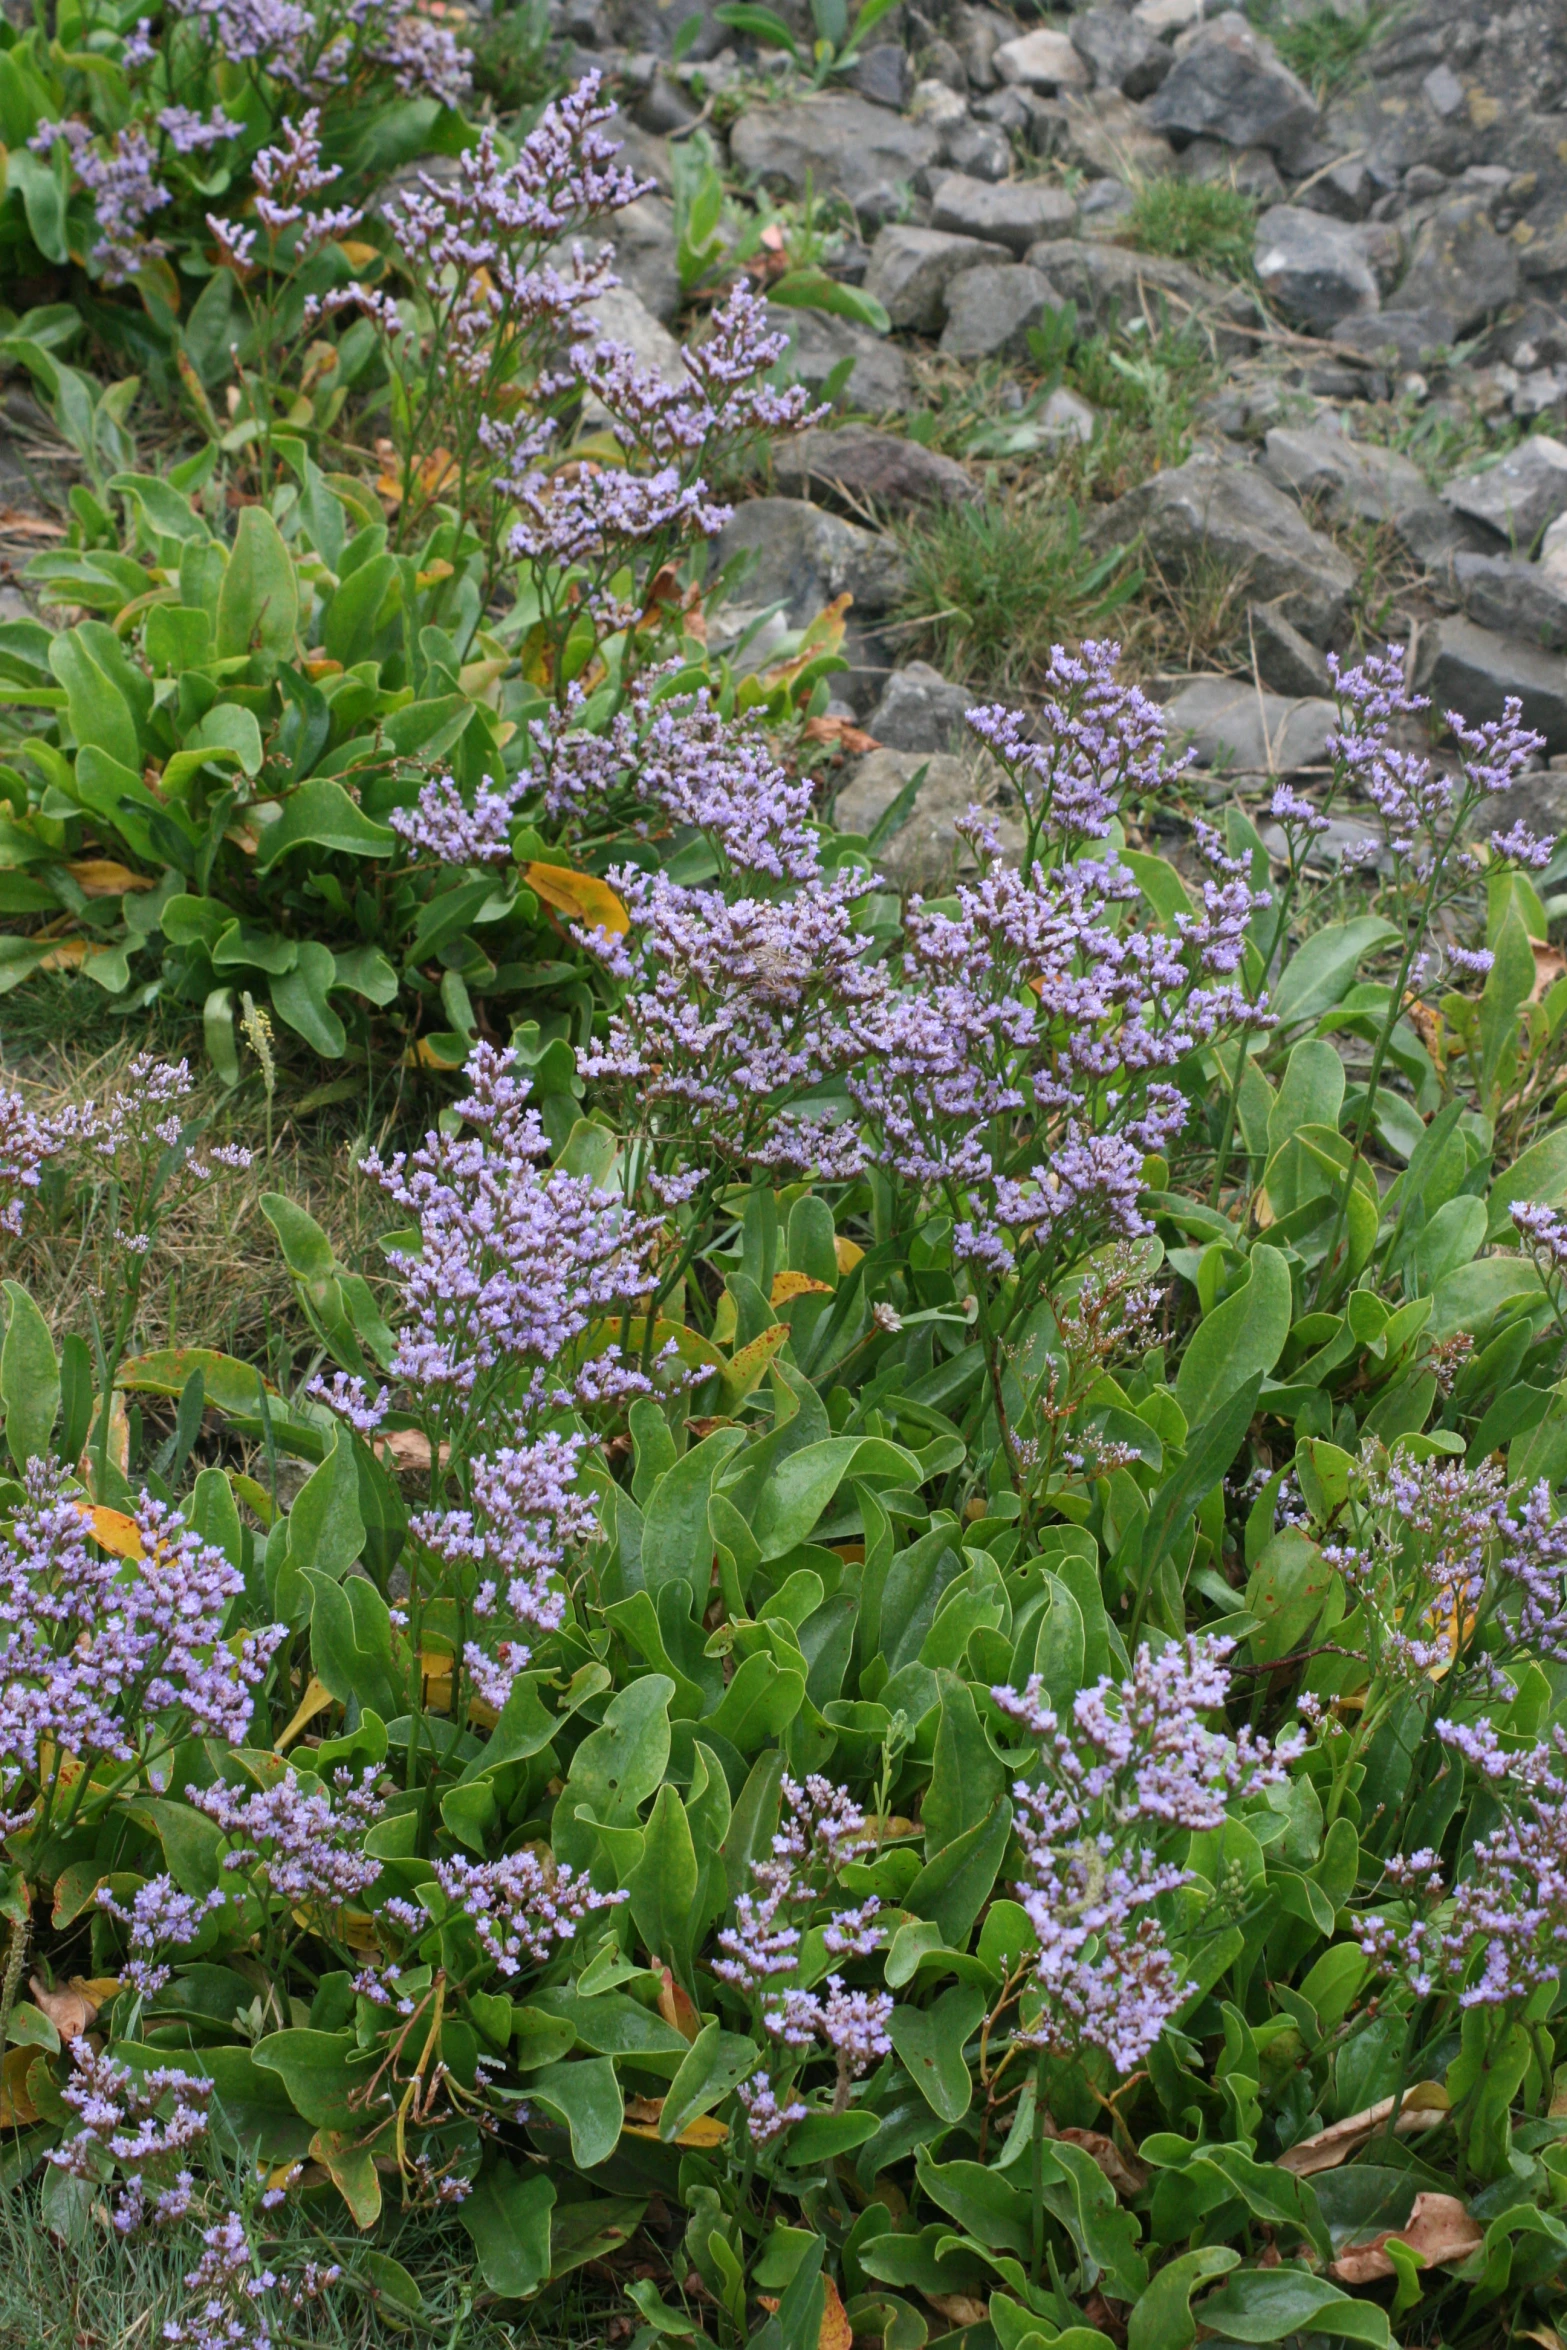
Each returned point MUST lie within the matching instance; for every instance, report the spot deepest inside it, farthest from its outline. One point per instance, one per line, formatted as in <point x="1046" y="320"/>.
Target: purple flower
<point x="160" y="1917"/>
<point x="26" y="1141"/>
<point x="521" y="1907"/>
<point x="1096" y="740"/>
<point x="136" y="2122"/>
<point x="765" y="2118"/>
<point x="445" y="827"/>
<point x="303" y="1843"/>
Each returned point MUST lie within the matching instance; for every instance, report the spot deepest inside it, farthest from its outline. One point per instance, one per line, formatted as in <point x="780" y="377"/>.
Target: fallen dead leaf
<point x="959" y="2309"/>
<point x="1126" y="2175"/>
<point x="68" y="2009"/>
<point x="408" y="1448"/>
<point x="16" y="523"/>
<point x="1438" y="2228"/>
<point x="582" y="897"/>
<point x="1423" y="2107"/>
<point x="1549" y="964"/>
<point x="112" y="1530"/>
<point x="843" y="732"/>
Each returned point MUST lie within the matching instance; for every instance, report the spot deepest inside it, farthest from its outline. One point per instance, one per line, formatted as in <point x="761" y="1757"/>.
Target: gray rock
<point x="620" y="316"/>
<point x="1238" y="730"/>
<point x="1475" y="670"/>
<point x="1017" y="213"/>
<point x="1553" y="553"/>
<point x="1065" y="417"/>
<point x="938" y="106"/>
<point x="1103" y="208"/>
<point x="1250" y="169"/>
<point x="879" y="378"/>
<point x="921" y="711"/>
<point x="911" y="269"/>
<point x="1515" y="599"/>
<point x="1349" y="840"/>
<point x="844" y="145"/>
<point x="1518" y="495"/>
<point x="665" y="107"/>
<point x="643" y="235"/>
<point x="982" y="150"/>
<point x="871" y="472"/>
<point x="1232" y="85"/>
<point x="647" y="27"/>
<point x="1043" y="60"/>
<point x="1120" y="53"/>
<point x="1112" y="286"/>
<point x="804" y="558"/>
<point x="1402" y="340"/>
<point x="1354" y="481"/>
<point x="1209" y="510"/>
<point x="1285" y="661"/>
<point x="1459" y="270"/>
<point x="1315" y="268"/>
<point x="942" y="63"/>
<point x="1444" y="92"/>
<point x="925" y="852"/>
<point x="1110" y="137"/>
<point x="642" y="151"/>
<point x="978" y="33"/>
<point x="1346" y="190"/>
<point x="884" y="75"/>
<point x="989" y="311"/>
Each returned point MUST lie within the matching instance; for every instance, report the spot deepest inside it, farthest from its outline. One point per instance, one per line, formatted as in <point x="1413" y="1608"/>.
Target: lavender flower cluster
<point x="1135" y="1761"/>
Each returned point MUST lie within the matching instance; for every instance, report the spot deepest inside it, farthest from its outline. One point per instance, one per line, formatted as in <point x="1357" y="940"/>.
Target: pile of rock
<point x="1411" y="250"/>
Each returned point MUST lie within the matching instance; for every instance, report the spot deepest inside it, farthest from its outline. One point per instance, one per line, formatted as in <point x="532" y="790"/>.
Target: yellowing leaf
<point x="360" y="255"/>
<point x="17" y="2110"/>
<point x="703" y="2134"/>
<point x="580" y="896"/>
<point x="316" y="1699"/>
<point x="848" y="1252"/>
<point x="788" y="1285"/>
<point x="113" y="1531"/>
<point x="428" y="1054"/>
<point x="749" y="1366"/>
<point x="837" y="2333"/>
<point x="72" y="953"/>
<point x="320" y="666"/>
<point x="101" y="877"/>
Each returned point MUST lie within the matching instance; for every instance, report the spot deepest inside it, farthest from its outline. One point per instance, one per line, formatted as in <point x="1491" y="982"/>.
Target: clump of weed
<point x="1206" y="222"/>
<point x="1325" y="48"/>
<point x="513" y="62"/>
<point x="992" y="586"/>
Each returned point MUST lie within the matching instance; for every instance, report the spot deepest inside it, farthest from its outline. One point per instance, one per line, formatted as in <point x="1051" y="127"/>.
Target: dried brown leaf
<point x="959" y="2309"/>
<point x="1126" y="2174"/>
<point x="1423" y="2107"/>
<point x="68" y="2009"/>
<point x="1438" y="2228"/>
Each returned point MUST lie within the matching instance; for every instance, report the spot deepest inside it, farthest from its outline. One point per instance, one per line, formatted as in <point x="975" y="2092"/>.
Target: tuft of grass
<point x="513" y="61"/>
<point x="1205" y="222"/>
<point x="105" y="2292"/>
<point x="1325" y="48"/>
<point x="993" y="586"/>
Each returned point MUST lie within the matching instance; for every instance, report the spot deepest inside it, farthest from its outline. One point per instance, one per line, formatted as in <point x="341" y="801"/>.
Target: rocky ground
<point x="1369" y="446"/>
<point x="1332" y="423"/>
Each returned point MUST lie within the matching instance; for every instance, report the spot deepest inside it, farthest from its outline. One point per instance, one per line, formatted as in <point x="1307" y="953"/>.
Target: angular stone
<point x="978" y="34"/>
<point x="1475" y="670"/>
<point x="870" y="471"/>
<point x="1315" y="268"/>
<point x="1017" y="214"/>
<point x="1120" y="53"/>
<point x="1042" y="60"/>
<point x="921" y="711"/>
<point x="989" y="311"/>
<point x="1112" y="286"/>
<point x="1065" y="417"/>
<point x="926" y="851"/>
<point x="1459" y="270"/>
<point x="1553" y="553"/>
<point x="1518" y="495"/>
<point x="1285" y="661"/>
<point x="1516" y="599"/>
<point x="1110" y="137"/>
<point x="884" y="75"/>
<point x="938" y="105"/>
<point x="1233" y="727"/>
<point x="621" y="316"/>
<point x="643" y="235"/>
<point x="844" y="145"/>
<point x="981" y="150"/>
<point x="1353" y="480"/>
<point x="1232" y="85"/>
<point x="1250" y="169"/>
<point x="943" y="64"/>
<point x="804" y="558"/>
<point x="1404" y="340"/>
<point x="1207" y="509"/>
<point x="879" y="377"/>
<point x="911" y="269"/>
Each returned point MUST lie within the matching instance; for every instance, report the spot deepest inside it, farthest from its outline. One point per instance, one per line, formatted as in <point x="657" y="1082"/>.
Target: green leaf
<point x="742" y="16"/>
<point x="584" y="2095"/>
<point x="797" y="1492"/>
<point x="1538" y="1174"/>
<point x="715" y="2064"/>
<point x="351" y="1644"/>
<point x="300" y="998"/>
<point x="1321" y="972"/>
<point x="1268" y="2305"/>
<point x="1240" y="1338"/>
<point x="968" y="1775"/>
<point x="99" y="712"/>
<point x="326" y="1532"/>
<point x="314" y="2068"/>
<point x="676" y="1544"/>
<point x="982" y="2202"/>
<point x="29" y="1379"/>
<point x="258" y="603"/>
<point x="664" y="1886"/>
<point x="932" y="2040"/>
<point x="507" y="2219"/>
<point x="321" y="815"/>
<point x="1162" y="2319"/>
<point x="616" y="1768"/>
<point x="1104" y="2234"/>
<point x="1311" y="1091"/>
<point x="813" y="289"/>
